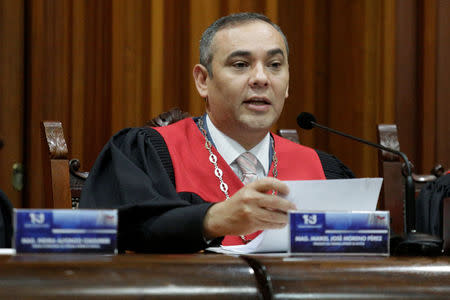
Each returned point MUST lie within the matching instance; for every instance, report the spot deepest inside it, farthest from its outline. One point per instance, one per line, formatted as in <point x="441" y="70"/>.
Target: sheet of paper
<point x="359" y="194"/>
<point x="7" y="251"/>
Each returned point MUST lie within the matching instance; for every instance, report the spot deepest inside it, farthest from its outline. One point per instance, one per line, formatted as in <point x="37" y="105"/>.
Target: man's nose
<point x="259" y="77"/>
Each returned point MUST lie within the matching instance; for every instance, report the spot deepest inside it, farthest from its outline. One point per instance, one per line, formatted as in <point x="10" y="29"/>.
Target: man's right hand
<point x="250" y="209"/>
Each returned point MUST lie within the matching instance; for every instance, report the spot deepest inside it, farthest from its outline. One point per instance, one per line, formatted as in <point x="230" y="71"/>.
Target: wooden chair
<point x="63" y="181"/>
<point x="392" y="194"/>
<point x="290" y="134"/>
<point x="55" y="165"/>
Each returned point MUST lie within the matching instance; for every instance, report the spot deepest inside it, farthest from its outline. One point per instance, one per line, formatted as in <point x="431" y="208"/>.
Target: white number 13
<point x="310" y="219"/>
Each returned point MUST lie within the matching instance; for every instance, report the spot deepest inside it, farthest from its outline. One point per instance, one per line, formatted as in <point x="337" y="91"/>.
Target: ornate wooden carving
<point x="54" y="135"/>
<point x="77" y="180"/>
<point x="388" y="137"/>
<point x="55" y="165"/>
<point x="169" y="117"/>
<point x="438" y="170"/>
<point x="74" y="167"/>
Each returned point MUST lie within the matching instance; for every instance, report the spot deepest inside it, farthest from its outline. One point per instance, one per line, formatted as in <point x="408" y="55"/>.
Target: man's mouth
<point x="257" y="101"/>
<point x="258" y="104"/>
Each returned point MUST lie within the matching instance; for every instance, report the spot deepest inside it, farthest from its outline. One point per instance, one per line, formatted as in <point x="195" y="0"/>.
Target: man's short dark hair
<point x="206" y="54"/>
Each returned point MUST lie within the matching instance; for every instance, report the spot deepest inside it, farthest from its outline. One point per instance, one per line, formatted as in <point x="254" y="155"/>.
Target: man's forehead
<point x="247" y="37"/>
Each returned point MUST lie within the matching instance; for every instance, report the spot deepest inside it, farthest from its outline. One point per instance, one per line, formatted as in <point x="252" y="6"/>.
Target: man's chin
<point x="258" y="125"/>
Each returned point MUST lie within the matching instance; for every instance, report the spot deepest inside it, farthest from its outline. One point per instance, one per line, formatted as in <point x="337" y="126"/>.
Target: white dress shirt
<point x="229" y="149"/>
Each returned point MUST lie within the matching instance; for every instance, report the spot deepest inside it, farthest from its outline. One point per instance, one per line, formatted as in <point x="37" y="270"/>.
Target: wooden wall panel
<point x="234" y="6"/>
<point x="79" y="84"/>
<point x="427" y="20"/>
<point x="49" y="72"/>
<point x="321" y="72"/>
<point x="303" y="63"/>
<point x="11" y="94"/>
<point x="347" y="79"/>
<point x="422" y="106"/>
<point x="406" y="77"/>
<point x="177" y="33"/>
<point x="202" y="14"/>
<point x="443" y="85"/>
<point x="386" y="113"/>
<point x="157" y="55"/>
<point x="359" y="95"/>
<point x="93" y="61"/>
<point x="341" y="70"/>
<point x="130" y="61"/>
<point x="99" y="66"/>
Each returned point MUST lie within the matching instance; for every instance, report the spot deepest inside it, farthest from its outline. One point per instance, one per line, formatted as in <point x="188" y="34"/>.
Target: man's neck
<point x="230" y="149"/>
<point x="247" y="139"/>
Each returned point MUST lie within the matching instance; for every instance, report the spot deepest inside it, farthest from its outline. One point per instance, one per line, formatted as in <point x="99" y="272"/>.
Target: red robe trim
<point x="194" y="172"/>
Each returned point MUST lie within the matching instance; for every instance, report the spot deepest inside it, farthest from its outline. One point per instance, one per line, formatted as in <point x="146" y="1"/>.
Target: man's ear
<point x="200" y="76"/>
<point x="287" y="92"/>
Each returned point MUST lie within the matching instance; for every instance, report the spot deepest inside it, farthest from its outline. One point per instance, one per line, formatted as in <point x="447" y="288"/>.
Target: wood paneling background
<point x="11" y="94"/>
<point x="99" y="66"/>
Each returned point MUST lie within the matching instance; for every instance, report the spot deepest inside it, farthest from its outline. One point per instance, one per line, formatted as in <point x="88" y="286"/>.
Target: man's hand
<point x="250" y="209"/>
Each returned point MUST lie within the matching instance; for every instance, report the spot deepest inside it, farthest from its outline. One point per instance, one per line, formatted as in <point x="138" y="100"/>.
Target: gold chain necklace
<point x="219" y="173"/>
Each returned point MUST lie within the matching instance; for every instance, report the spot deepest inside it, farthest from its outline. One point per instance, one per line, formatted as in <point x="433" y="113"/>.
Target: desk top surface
<point x="207" y="276"/>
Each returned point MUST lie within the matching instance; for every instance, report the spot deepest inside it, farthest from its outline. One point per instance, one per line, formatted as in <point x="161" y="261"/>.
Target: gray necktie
<point x="247" y="163"/>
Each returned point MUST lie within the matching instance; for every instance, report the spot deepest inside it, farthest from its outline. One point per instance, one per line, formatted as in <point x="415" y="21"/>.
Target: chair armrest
<point x="55" y="165"/>
<point x="290" y="134"/>
<point x="423" y="178"/>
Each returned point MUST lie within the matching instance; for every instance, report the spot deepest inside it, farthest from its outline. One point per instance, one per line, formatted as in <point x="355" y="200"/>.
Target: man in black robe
<point x="170" y="184"/>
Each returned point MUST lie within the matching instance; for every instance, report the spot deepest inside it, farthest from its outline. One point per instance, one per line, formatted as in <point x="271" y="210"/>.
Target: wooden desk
<point x="126" y="277"/>
<point x="356" y="277"/>
<point x="210" y="276"/>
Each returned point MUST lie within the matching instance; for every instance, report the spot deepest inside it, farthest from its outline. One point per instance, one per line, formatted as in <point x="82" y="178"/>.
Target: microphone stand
<point x="409" y="210"/>
<point x="413" y="243"/>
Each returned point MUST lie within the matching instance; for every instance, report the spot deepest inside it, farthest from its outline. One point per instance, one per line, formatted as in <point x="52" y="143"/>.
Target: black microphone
<point x="307" y="121"/>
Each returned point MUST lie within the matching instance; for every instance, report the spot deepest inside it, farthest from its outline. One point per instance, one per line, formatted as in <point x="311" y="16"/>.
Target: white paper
<point x="359" y="194"/>
<point x="7" y="251"/>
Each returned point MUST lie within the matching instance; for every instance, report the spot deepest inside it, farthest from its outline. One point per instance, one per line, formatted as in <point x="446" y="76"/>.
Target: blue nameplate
<point x="65" y="230"/>
<point x="358" y="233"/>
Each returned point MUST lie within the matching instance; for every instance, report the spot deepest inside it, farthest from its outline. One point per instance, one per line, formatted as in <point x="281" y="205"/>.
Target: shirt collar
<point x="229" y="149"/>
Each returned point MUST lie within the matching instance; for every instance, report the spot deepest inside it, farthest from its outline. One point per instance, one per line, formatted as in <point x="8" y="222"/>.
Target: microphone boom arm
<point x="409" y="206"/>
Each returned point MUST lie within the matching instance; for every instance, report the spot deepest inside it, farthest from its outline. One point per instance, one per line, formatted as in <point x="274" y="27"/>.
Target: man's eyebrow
<point x="275" y="52"/>
<point x="245" y="53"/>
<point x="238" y="53"/>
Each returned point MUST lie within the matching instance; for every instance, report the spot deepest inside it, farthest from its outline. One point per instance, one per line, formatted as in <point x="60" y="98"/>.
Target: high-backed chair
<point x="290" y="134"/>
<point x="63" y="181"/>
<point x="392" y="194"/>
<point x="55" y="165"/>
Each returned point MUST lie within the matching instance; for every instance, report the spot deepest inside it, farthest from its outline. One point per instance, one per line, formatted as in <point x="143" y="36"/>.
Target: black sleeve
<point x="333" y="167"/>
<point x="6" y="224"/>
<point x="429" y="206"/>
<point x="134" y="174"/>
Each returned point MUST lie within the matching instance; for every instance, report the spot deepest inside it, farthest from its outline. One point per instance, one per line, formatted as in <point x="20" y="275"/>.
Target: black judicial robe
<point x="135" y="173"/>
